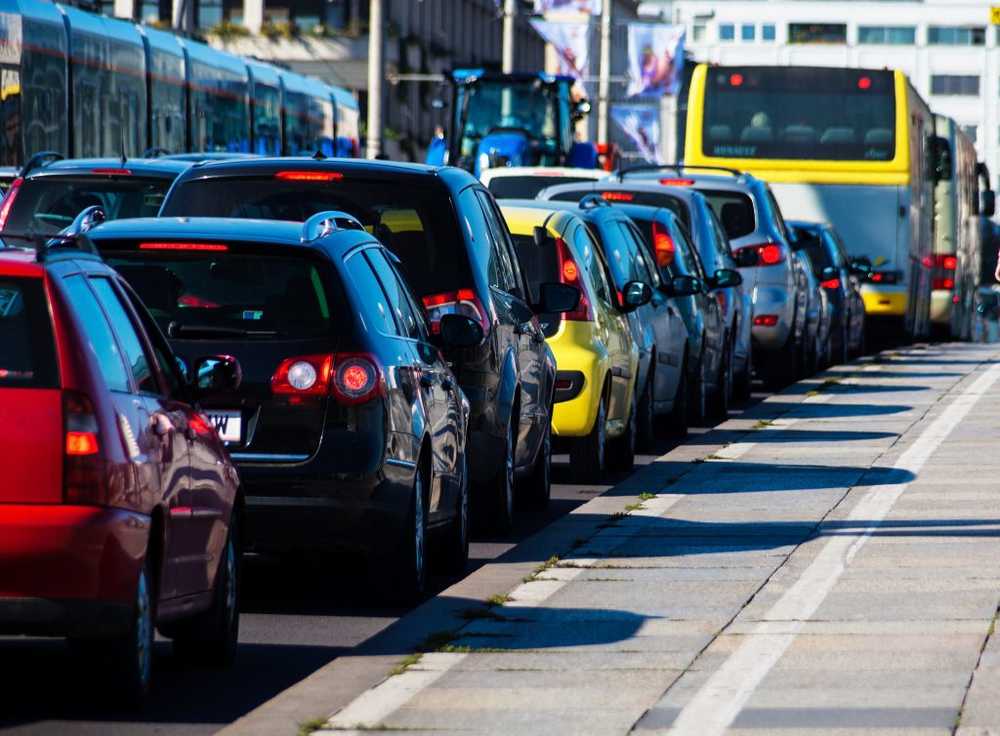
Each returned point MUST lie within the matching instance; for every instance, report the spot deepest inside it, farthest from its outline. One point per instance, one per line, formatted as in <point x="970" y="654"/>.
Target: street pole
<point x="376" y="74"/>
<point x="604" y="74"/>
<point x="509" y="13"/>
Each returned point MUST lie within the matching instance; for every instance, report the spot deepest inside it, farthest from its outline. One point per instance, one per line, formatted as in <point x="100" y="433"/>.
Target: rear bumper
<point x="885" y="301"/>
<point x="941" y="304"/>
<point x="62" y="568"/>
<point x="773" y="300"/>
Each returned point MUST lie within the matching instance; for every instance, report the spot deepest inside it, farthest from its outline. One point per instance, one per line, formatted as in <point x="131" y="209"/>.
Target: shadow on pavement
<point x="780" y="435"/>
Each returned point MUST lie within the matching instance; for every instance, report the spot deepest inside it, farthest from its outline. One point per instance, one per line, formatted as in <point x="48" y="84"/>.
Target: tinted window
<point x="232" y="294"/>
<point x="527" y="187"/>
<point x="48" y="204"/>
<point x="128" y="338"/>
<point x="97" y="333"/>
<point x="374" y="305"/>
<point x="500" y="270"/>
<point x="685" y="257"/>
<point x="799" y="113"/>
<point x="637" y="270"/>
<point x="539" y="264"/>
<point x="405" y="316"/>
<point x="649" y="199"/>
<point x="27" y="353"/>
<point x="162" y="354"/>
<point x="416" y="221"/>
<point x="734" y="210"/>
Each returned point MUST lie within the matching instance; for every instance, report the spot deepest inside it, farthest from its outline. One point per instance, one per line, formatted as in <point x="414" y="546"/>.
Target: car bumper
<point x="941" y="304"/>
<point x="885" y="301"/>
<point x="64" y="568"/>
<point x="772" y="300"/>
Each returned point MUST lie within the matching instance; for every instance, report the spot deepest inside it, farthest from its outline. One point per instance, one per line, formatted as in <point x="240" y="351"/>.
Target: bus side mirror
<point x="987" y="203"/>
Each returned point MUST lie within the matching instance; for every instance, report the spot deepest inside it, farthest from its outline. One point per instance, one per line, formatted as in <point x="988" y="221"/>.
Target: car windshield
<point x="47" y="204"/>
<point x="528" y="186"/>
<point x="241" y="294"/>
<point x="529" y="106"/>
<point x="417" y="223"/>
<point x="734" y="210"/>
<point x="27" y="352"/>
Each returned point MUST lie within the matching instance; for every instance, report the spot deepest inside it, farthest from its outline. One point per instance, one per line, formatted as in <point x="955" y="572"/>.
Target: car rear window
<point x="414" y="219"/>
<point x="646" y="199"/>
<point x="27" y="351"/>
<point x="48" y="204"/>
<point x="734" y="210"/>
<point x="528" y="186"/>
<point x="810" y="241"/>
<point x="683" y="263"/>
<point x="239" y="293"/>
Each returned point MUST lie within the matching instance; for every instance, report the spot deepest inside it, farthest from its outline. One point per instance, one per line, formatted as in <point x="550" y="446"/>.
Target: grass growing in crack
<point x="762" y="423"/>
<point x="434" y="642"/>
<point x="313" y="724"/>
<point x="713" y="456"/>
<point x="551" y="562"/>
<point x="633" y="507"/>
<point x="405" y="663"/>
<point x="646" y="496"/>
<point x="612" y="520"/>
<point x="498" y="599"/>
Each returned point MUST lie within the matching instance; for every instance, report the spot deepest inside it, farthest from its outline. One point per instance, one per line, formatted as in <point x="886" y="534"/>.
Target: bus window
<point x="266" y="119"/>
<point x="168" y="101"/>
<point x="348" y="137"/>
<point x="220" y="120"/>
<point x="36" y="97"/>
<point x="799" y="113"/>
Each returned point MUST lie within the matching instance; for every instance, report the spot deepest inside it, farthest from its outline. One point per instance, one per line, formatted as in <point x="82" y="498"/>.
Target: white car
<point x="524" y="182"/>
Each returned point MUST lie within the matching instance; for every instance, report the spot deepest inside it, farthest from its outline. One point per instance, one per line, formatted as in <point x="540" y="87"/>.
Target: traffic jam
<point x="207" y="360"/>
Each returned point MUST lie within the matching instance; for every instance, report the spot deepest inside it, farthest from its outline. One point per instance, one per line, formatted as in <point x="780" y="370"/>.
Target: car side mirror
<point x="861" y="266"/>
<point x="747" y="257"/>
<point x="460" y="331"/>
<point x="634" y="295"/>
<point x="725" y="278"/>
<point x="216" y="374"/>
<point x="554" y="297"/>
<point x="987" y="203"/>
<point x="684" y="285"/>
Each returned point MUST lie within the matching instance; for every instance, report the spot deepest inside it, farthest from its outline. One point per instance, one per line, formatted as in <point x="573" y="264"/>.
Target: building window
<point x="972" y="131"/>
<point x="698" y="32"/>
<point x="889" y="35"/>
<point x="817" y="33"/>
<point x="955" y="84"/>
<point x="954" y="36"/>
<point x="748" y="32"/>
<point x="209" y="13"/>
<point x="767" y="32"/>
<point x="727" y="32"/>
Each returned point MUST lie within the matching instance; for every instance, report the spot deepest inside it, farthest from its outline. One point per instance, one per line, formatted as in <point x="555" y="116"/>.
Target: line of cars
<point x="290" y="354"/>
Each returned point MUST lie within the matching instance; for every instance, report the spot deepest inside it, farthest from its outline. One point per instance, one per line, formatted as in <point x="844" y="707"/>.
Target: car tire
<point x="131" y="653"/>
<point x="538" y="486"/>
<point x="621" y="450"/>
<point x="698" y="396"/>
<point x="646" y="418"/>
<point x="401" y="574"/>
<point x="782" y="365"/>
<point x="588" y="455"/>
<point x="211" y="636"/>
<point x="743" y="383"/>
<point x="502" y="486"/>
<point x="719" y="403"/>
<point x="676" y="422"/>
<point x="456" y="541"/>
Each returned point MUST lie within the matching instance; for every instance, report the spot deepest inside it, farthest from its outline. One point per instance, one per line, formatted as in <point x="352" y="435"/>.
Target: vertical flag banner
<point x="655" y="58"/>
<point x="593" y="7"/>
<point x="571" y="42"/>
<point x="641" y="123"/>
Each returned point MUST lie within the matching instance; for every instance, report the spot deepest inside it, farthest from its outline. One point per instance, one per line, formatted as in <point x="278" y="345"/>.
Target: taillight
<point x="8" y="201"/>
<point x="944" y="283"/>
<point x="463" y="301"/>
<point x="663" y="245"/>
<point x="677" y="182"/>
<point x="768" y="254"/>
<point x="618" y="196"/>
<point x="351" y="378"/>
<point x="569" y="273"/>
<point x="830" y="284"/>
<point x="308" y="175"/>
<point x="948" y="263"/>
<point x="944" y="272"/>
<point x="883" y="277"/>
<point x="765" y="320"/>
<point x="112" y="172"/>
<point x="83" y="462"/>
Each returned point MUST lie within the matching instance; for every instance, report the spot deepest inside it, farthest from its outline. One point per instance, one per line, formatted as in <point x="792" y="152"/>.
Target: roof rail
<point x="74" y="237"/>
<point x="678" y="167"/>
<point x="40" y="159"/>
<point x="590" y="201"/>
<point x="330" y="221"/>
<point x="155" y="152"/>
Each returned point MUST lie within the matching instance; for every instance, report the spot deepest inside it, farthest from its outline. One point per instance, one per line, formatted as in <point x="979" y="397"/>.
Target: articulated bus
<point x="844" y="146"/>
<point x="83" y="84"/>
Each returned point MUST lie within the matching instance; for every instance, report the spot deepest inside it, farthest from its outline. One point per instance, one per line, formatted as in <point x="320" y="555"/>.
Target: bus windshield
<point x="529" y="106"/>
<point x="799" y="113"/>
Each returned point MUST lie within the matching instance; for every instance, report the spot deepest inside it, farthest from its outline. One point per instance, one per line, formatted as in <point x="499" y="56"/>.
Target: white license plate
<point x="229" y="424"/>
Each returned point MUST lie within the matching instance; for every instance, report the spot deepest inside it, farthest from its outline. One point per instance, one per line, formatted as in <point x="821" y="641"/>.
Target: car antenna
<point x="319" y="155"/>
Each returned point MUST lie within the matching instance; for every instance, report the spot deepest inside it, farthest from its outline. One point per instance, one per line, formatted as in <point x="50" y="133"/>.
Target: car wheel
<point x="698" y="396"/>
<point x="646" y="418"/>
<point x="588" y="455"/>
<point x="211" y="637"/>
<point x="131" y="653"/>
<point x="456" y="549"/>
<point x="538" y="488"/>
<point x="677" y="420"/>
<point x="621" y="453"/>
<point x="782" y="365"/>
<point x="719" y="404"/>
<point x="743" y="383"/>
<point x="409" y="571"/>
<point x="503" y="486"/>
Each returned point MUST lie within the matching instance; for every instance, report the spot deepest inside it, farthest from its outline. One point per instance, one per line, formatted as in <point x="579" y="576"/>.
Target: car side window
<point x="374" y="305"/>
<point x="779" y="219"/>
<point x="136" y="356"/>
<point x="500" y="271"/>
<point x="587" y="248"/>
<point x="97" y="332"/>
<point x="691" y="254"/>
<point x="162" y="354"/>
<point x="400" y="305"/>
<point x="503" y="232"/>
<point x="721" y="239"/>
<point x="643" y="272"/>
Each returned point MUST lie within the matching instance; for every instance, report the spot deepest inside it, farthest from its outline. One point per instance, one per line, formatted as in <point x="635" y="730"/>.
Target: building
<point x="948" y="48"/>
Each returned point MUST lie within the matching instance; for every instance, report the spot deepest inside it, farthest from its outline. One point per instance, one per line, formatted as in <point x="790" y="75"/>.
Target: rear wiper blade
<point x="178" y="330"/>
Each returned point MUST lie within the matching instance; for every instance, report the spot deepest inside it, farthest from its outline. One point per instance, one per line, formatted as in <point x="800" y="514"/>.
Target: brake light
<point x="112" y="172"/>
<point x="309" y="175"/>
<point x="677" y="182"/>
<point x="569" y="273"/>
<point x="765" y="320"/>
<point x="883" y="277"/>
<point x="83" y="463"/>
<point x="768" y="254"/>
<point x="184" y="246"/>
<point x="663" y="245"/>
<point x="736" y="80"/>
<point x="944" y="283"/>
<point x="618" y="196"/>
<point x="864" y="83"/>
<point x="356" y="379"/>
<point x="304" y="375"/>
<point x="830" y="284"/>
<point x="350" y="378"/>
<point x="8" y="201"/>
<point x="462" y="301"/>
<point x="948" y="263"/>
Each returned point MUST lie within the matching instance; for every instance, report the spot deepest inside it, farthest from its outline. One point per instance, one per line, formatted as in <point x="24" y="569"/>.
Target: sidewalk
<point x="830" y="570"/>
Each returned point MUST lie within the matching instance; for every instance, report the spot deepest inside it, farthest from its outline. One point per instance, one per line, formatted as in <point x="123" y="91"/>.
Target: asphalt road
<point x="294" y="621"/>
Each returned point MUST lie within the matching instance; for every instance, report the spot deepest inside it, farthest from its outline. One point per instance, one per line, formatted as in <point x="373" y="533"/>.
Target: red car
<point x="118" y="502"/>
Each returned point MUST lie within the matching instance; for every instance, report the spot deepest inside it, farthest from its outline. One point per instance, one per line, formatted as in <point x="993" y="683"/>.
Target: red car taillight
<point x="569" y="273"/>
<point x="84" y="478"/>
<point x="768" y="254"/>
<point x="830" y="284"/>
<point x="765" y="320"/>
<point x="8" y="201"/>
<point x="462" y="301"/>
<point x="663" y="245"/>
<point x="351" y="378"/>
<point x="944" y="272"/>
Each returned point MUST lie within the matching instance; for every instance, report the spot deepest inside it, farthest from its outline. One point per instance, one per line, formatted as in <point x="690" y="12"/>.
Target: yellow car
<point x="596" y="358"/>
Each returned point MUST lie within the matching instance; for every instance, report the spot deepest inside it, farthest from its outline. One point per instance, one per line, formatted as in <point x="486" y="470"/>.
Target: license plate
<point x="229" y="424"/>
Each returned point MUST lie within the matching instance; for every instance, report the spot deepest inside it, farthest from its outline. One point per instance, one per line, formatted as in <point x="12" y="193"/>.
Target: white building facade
<point x="948" y="48"/>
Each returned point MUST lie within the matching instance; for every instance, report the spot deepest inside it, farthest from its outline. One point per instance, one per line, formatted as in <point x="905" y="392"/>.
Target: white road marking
<point x="716" y="705"/>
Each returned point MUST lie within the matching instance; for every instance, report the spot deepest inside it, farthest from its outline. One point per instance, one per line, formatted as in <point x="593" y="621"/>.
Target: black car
<point x="456" y="252"/>
<point x="49" y="191"/>
<point x="348" y="428"/>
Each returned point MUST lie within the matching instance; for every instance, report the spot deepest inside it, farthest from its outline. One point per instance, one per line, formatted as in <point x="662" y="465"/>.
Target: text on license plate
<point x="229" y="424"/>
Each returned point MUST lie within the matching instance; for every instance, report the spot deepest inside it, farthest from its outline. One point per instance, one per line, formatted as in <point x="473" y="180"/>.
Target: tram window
<point x="219" y="118"/>
<point x="267" y="120"/>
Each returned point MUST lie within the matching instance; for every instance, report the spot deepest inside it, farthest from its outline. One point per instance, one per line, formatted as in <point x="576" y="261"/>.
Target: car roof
<point x="737" y="181"/>
<point x="555" y="172"/>
<point x="20" y="262"/>
<point x="155" y="167"/>
<point x="685" y="194"/>
<point x="807" y="225"/>
<point x="595" y="212"/>
<point x="522" y="220"/>
<point x="267" y="165"/>
<point x="206" y="156"/>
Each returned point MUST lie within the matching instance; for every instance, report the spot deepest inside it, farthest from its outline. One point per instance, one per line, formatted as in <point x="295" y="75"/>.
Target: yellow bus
<point x="851" y="147"/>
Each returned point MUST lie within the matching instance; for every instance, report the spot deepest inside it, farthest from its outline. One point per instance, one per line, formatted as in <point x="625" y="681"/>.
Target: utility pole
<point x="509" y="13"/>
<point x="376" y="73"/>
<point x="604" y="74"/>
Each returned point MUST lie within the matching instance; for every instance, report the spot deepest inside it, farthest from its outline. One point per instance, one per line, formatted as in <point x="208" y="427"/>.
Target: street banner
<point x="656" y="58"/>
<point x="571" y="42"/>
<point x="641" y="123"/>
<point x="593" y="7"/>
